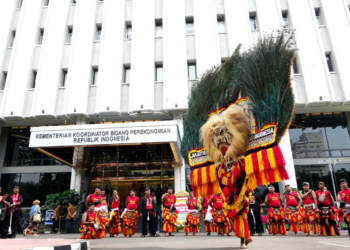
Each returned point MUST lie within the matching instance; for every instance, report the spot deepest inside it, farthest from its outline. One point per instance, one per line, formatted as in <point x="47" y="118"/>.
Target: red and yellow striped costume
<point x="328" y="223"/>
<point x="129" y="223"/>
<point x="114" y="223"/>
<point x="293" y="218"/>
<point x="169" y="221"/>
<point x="311" y="217"/>
<point x="88" y="232"/>
<point x="102" y="223"/>
<point x="220" y="222"/>
<point x="276" y="221"/>
<point x="345" y="216"/>
<point x="208" y="228"/>
<point x="192" y="223"/>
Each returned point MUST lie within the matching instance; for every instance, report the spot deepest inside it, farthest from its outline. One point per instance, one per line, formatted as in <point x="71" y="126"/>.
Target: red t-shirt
<point x="308" y="200"/>
<point x="191" y="202"/>
<point x="206" y="201"/>
<point x="345" y="193"/>
<point x="274" y="200"/>
<point x="169" y="200"/>
<point x="149" y="204"/>
<point x="291" y="200"/>
<point x="90" y="216"/>
<point x="218" y="202"/>
<point x="115" y="204"/>
<point x="326" y="202"/>
<point x="132" y="203"/>
<point x="94" y="198"/>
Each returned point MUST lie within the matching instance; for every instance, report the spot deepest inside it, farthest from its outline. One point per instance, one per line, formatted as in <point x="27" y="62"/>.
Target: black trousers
<point x="151" y="223"/>
<point x="258" y="223"/>
<point x="54" y="224"/>
<point x="69" y="223"/>
<point x="14" y="225"/>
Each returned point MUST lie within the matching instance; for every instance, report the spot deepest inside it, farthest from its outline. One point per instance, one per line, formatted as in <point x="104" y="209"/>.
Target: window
<point x="159" y="29"/>
<point x="329" y="62"/>
<point x="12" y="39"/>
<point x="34" y="80"/>
<point x="253" y="22"/>
<point x="189" y="27"/>
<point x="159" y="73"/>
<point x="95" y="79"/>
<point x="318" y="18"/>
<point x="70" y="35"/>
<point x="192" y="74"/>
<point x="47" y="2"/>
<point x="295" y="66"/>
<point x="285" y="18"/>
<point x="128" y="31"/>
<point x="98" y="33"/>
<point x="41" y="37"/>
<point x="4" y="78"/>
<point x="64" y="78"/>
<point x="127" y="75"/>
<point x="19" y="4"/>
<point x="221" y="25"/>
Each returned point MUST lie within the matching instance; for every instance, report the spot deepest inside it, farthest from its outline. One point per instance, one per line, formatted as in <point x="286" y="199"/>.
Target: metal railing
<point x="304" y="153"/>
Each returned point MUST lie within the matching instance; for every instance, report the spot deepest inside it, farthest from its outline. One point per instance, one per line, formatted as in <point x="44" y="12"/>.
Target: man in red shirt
<point x="324" y="197"/>
<point x="88" y="224"/>
<point x="310" y="210"/>
<point x="220" y="221"/>
<point x="344" y="199"/>
<point x="205" y="207"/>
<point x="130" y="214"/>
<point x="192" y="218"/>
<point x="94" y="198"/>
<point x="168" y="201"/>
<point x="275" y="212"/>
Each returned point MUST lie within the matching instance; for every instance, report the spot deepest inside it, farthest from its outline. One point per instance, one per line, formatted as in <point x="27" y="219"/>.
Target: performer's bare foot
<point x="307" y="234"/>
<point x="117" y="236"/>
<point x="219" y="235"/>
<point x="296" y="233"/>
<point x="186" y="234"/>
<point x="228" y="234"/>
<point x="194" y="234"/>
<point x="111" y="235"/>
<point x="247" y="241"/>
<point x="208" y="234"/>
<point x="243" y="246"/>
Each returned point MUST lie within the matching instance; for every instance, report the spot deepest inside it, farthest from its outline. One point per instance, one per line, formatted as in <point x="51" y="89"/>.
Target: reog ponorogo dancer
<point x="238" y="113"/>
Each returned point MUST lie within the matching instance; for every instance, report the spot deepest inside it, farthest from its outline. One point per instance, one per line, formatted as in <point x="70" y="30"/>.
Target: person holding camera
<point x="344" y="199"/>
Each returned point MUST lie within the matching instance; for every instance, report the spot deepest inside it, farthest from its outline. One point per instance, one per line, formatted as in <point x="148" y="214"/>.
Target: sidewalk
<point x="179" y="241"/>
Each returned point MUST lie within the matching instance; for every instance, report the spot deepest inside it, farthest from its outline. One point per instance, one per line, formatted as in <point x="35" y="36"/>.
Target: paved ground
<point x="179" y="241"/>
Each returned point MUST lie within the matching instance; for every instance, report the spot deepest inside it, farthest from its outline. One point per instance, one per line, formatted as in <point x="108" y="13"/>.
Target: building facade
<point x="95" y="92"/>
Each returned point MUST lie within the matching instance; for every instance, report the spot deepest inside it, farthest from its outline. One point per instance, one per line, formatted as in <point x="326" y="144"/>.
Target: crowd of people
<point x="311" y="212"/>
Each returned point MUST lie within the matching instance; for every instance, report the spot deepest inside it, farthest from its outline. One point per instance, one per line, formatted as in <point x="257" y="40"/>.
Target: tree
<point x="52" y="200"/>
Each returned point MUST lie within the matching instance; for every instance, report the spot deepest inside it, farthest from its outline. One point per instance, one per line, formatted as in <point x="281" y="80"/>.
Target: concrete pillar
<point x="288" y="157"/>
<point x="177" y="177"/>
<point x="183" y="176"/>
<point x="347" y="115"/>
<point x="78" y="157"/>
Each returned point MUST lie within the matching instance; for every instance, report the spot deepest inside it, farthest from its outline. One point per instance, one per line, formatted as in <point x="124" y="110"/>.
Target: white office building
<point x="94" y="92"/>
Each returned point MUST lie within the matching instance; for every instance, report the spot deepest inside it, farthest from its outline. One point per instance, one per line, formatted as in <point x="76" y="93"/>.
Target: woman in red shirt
<point x="114" y="218"/>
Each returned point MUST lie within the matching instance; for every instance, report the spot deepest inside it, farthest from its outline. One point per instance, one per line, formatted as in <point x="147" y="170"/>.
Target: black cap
<point x="287" y="185"/>
<point x="271" y="185"/>
<point x="341" y="181"/>
<point x="169" y="187"/>
<point x="16" y="187"/>
<point x="91" y="204"/>
<point x="98" y="187"/>
<point x="147" y="189"/>
<point x="306" y="183"/>
<point x="132" y="190"/>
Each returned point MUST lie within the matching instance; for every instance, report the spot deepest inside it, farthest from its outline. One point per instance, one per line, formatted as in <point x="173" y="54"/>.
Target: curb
<point x="83" y="245"/>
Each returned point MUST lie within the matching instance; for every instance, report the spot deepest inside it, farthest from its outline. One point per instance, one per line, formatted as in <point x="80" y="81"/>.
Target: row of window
<point x="254" y="22"/>
<point x="191" y="69"/>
